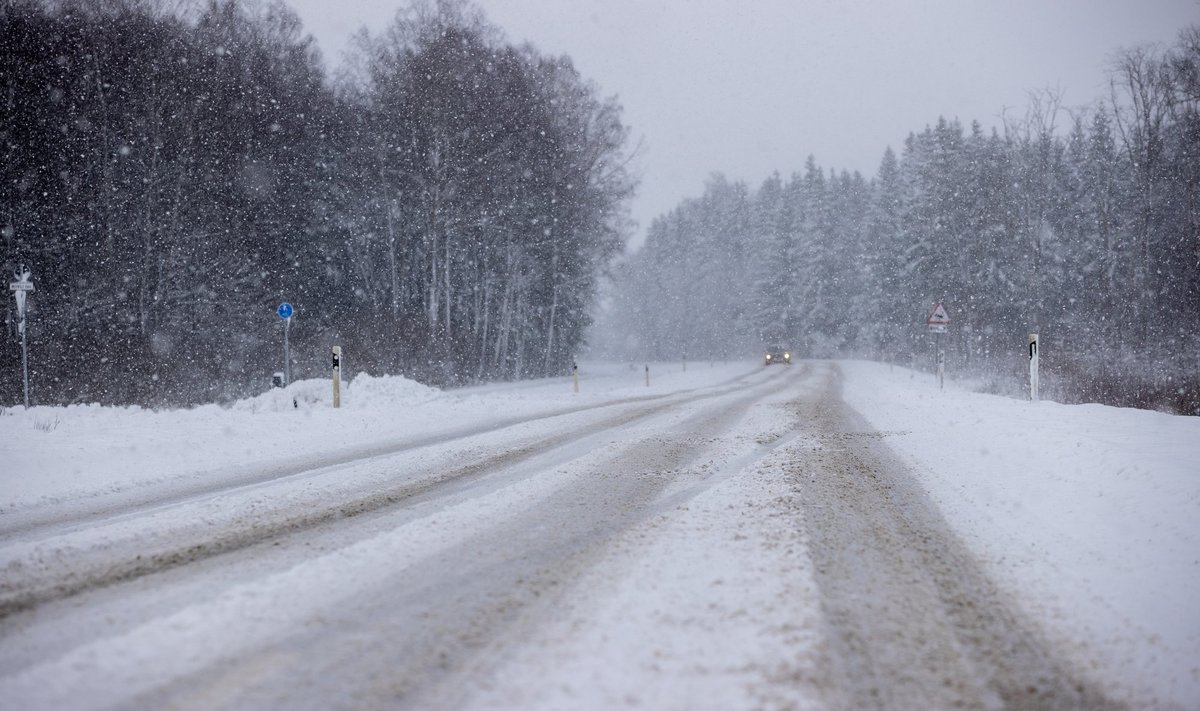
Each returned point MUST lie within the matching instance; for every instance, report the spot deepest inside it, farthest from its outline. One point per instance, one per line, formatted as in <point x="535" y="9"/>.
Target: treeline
<point x="1083" y="225"/>
<point x="173" y="171"/>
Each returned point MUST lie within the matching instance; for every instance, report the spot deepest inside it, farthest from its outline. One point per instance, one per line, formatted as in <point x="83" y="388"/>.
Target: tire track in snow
<point x="49" y="517"/>
<point x="86" y="557"/>
<point x="418" y="605"/>
<point x="912" y="621"/>
<point x="423" y="636"/>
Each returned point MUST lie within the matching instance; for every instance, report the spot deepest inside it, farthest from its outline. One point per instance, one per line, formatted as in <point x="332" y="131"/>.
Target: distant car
<point x="775" y="354"/>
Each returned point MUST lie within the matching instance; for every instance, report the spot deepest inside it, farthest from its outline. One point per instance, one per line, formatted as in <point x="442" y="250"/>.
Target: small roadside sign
<point x="285" y="310"/>
<point x="938" y="319"/>
<point x="20" y="289"/>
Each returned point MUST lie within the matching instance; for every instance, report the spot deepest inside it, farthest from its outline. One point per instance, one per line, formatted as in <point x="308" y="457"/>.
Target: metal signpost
<point x="285" y="312"/>
<point x="938" y="323"/>
<point x="21" y="288"/>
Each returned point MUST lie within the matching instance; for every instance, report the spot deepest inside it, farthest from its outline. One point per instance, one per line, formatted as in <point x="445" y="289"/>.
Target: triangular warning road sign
<point x="938" y="315"/>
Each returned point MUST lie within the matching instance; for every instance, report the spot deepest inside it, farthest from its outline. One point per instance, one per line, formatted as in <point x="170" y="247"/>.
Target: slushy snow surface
<point x="1088" y="515"/>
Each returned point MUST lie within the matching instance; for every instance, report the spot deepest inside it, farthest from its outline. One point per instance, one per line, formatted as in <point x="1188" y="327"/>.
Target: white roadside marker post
<point x="1033" y="367"/>
<point x="647" y="375"/>
<point x="575" y="373"/>
<point x="20" y="288"/>
<point x="337" y="376"/>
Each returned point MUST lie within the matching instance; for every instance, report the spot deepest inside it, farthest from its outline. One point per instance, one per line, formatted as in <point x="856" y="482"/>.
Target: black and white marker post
<point x="337" y="376"/>
<point x="20" y="288"/>
<point x="1033" y="367"/>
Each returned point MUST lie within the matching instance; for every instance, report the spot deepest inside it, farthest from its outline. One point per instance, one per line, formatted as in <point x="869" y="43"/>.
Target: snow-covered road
<point x="733" y="537"/>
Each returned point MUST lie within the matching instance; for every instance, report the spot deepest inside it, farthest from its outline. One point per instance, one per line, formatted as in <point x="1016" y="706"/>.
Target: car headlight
<point x="787" y="356"/>
<point x="768" y="356"/>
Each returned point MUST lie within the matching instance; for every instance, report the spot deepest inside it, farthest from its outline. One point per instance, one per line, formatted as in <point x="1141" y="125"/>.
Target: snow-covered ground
<point x="54" y="455"/>
<point x="1091" y="514"/>
<point x="1088" y="515"/>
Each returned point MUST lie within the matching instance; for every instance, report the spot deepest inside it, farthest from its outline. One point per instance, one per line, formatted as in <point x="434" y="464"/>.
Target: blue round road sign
<point x="285" y="310"/>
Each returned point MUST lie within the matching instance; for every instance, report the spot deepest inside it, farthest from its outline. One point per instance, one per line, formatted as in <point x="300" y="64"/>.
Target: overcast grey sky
<point x="747" y="87"/>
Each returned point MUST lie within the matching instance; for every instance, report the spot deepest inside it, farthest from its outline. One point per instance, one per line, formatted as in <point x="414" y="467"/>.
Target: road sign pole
<point x="25" y="363"/>
<point x="941" y="365"/>
<point x="285" y="312"/>
<point x="938" y="323"/>
<point x="937" y="348"/>
<point x="287" y="354"/>
<point x="21" y="288"/>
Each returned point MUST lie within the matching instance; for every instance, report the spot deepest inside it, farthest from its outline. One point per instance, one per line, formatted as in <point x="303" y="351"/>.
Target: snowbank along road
<point x="746" y="544"/>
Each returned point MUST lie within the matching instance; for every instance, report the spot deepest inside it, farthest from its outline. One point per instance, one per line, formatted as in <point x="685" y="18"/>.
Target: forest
<point x="173" y="171"/>
<point x="1081" y="224"/>
<point x="453" y="207"/>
